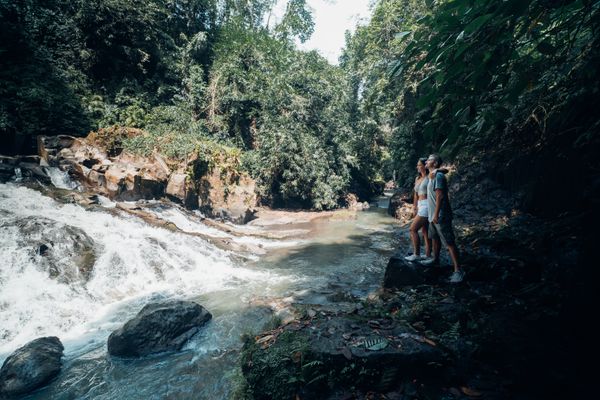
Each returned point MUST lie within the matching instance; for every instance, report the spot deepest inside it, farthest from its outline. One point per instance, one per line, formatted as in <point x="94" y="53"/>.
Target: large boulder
<point x="400" y="273"/>
<point x="64" y="251"/>
<point x="158" y="327"/>
<point x="222" y="194"/>
<point x="31" y="366"/>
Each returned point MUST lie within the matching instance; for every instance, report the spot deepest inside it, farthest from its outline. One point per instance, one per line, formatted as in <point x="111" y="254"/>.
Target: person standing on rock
<point x="440" y="217"/>
<point x="421" y="214"/>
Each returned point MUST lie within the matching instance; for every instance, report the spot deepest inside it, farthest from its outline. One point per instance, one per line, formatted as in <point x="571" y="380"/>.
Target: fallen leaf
<point x="376" y="344"/>
<point x="265" y="339"/>
<point x="470" y="392"/>
<point x="297" y="357"/>
<point x="347" y="353"/>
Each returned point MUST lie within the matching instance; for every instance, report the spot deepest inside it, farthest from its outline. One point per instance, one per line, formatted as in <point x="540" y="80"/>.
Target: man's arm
<point x="439" y="195"/>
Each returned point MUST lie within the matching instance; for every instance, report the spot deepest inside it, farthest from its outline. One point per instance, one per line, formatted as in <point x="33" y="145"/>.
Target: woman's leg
<point x="414" y="236"/>
<point x="426" y="239"/>
<point x="417" y="224"/>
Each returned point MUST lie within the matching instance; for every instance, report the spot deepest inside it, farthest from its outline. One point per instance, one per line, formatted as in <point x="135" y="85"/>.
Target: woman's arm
<point x="415" y="199"/>
<point x="415" y="203"/>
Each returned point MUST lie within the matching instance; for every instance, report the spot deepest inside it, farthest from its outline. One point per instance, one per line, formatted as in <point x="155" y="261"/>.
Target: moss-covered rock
<point x="313" y="358"/>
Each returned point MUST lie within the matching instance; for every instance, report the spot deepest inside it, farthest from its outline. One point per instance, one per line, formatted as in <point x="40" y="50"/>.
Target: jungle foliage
<point x="513" y="80"/>
<point x="188" y="72"/>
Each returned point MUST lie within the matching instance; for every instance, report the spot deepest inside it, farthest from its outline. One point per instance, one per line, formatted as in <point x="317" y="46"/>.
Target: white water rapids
<point x="133" y="260"/>
<point x="80" y="273"/>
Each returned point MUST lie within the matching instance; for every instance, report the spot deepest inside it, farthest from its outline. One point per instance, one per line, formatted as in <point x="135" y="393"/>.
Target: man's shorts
<point x="442" y="231"/>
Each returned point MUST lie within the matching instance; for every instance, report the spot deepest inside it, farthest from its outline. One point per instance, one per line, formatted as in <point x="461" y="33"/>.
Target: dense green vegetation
<point x="511" y="84"/>
<point x="188" y="72"/>
<point x="515" y="80"/>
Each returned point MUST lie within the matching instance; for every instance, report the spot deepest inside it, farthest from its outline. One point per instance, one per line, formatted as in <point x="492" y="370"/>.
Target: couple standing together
<point x="433" y="216"/>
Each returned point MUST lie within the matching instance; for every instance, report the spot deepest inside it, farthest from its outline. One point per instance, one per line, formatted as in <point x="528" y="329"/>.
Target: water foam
<point x="60" y="179"/>
<point x="133" y="262"/>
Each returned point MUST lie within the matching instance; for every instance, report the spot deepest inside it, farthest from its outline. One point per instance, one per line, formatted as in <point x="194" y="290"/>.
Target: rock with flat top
<point x="158" y="327"/>
<point x="400" y="273"/>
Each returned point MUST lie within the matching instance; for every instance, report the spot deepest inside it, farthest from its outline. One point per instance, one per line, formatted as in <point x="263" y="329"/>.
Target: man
<point x="440" y="217"/>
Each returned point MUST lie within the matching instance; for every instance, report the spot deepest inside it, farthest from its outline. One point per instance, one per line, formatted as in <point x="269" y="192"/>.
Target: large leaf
<point x="402" y="35"/>
<point x="478" y="22"/>
<point x="424" y="101"/>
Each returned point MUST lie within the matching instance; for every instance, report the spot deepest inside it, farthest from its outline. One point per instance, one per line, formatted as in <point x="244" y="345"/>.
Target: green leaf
<point x="424" y="101"/>
<point x="396" y="69"/>
<point x="402" y="35"/>
<point x="478" y="23"/>
<point x="376" y="344"/>
<point x="518" y="88"/>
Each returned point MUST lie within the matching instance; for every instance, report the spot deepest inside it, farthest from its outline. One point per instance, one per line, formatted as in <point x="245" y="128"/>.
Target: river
<point x="327" y="262"/>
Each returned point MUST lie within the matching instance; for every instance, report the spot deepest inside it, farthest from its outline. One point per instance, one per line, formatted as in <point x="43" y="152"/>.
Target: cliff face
<point x="104" y="167"/>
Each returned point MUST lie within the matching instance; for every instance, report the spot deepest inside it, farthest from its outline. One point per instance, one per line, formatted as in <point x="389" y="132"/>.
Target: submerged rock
<point x="31" y="366"/>
<point x="158" y="327"/>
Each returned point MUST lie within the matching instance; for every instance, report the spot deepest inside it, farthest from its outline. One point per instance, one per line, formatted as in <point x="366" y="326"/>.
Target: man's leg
<point x="437" y="245"/>
<point x="446" y="234"/>
<point x="454" y="256"/>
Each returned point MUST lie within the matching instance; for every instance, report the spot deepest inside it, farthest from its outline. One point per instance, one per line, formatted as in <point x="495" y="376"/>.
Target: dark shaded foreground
<point x="515" y="328"/>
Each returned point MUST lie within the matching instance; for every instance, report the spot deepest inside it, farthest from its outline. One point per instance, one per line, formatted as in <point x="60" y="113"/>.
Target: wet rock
<point x="49" y="146"/>
<point x="400" y="273"/>
<point x="65" y="252"/>
<point x="100" y="163"/>
<point x="176" y="186"/>
<point x="158" y="327"/>
<point x="33" y="170"/>
<point x="31" y="366"/>
<point x="353" y="204"/>
<point x="7" y="169"/>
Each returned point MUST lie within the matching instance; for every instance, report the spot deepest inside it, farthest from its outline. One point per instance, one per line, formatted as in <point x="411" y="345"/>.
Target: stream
<point x="80" y="273"/>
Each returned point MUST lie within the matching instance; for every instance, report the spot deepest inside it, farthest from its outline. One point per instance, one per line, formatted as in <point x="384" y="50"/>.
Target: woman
<point x="420" y="211"/>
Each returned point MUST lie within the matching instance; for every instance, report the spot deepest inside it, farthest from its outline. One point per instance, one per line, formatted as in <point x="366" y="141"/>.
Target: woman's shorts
<point x="422" y="209"/>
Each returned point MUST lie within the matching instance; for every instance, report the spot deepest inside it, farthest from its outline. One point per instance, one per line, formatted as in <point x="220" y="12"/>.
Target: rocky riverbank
<point x="100" y="164"/>
<point x="502" y="333"/>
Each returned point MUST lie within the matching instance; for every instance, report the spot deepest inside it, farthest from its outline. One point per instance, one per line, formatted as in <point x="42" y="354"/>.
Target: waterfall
<point x="60" y="179"/>
<point x="45" y="290"/>
<point x="18" y="175"/>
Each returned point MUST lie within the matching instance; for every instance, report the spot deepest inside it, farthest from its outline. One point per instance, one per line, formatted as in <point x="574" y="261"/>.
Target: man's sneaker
<point x="457" y="276"/>
<point x="412" y="257"/>
<point x="429" y="261"/>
